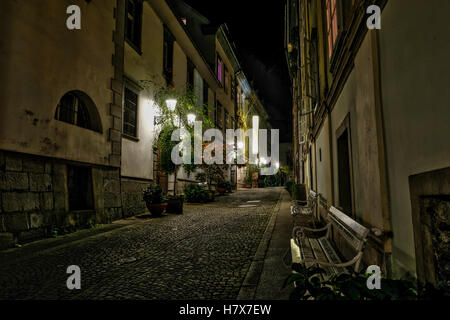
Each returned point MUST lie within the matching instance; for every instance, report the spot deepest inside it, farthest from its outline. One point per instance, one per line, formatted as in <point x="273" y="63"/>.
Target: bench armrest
<point x="300" y="229"/>
<point x="338" y="265"/>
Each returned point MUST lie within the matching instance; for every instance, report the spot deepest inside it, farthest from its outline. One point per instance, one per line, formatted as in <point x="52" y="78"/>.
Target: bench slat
<point x="320" y="255"/>
<point x="360" y="231"/>
<point x="332" y="255"/>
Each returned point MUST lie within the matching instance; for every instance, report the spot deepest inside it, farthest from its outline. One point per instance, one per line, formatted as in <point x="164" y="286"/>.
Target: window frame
<point x="135" y="89"/>
<point x="338" y="24"/>
<point x="136" y="43"/>
<point x="168" y="55"/>
<point x="88" y="108"/>
<point x="222" y="78"/>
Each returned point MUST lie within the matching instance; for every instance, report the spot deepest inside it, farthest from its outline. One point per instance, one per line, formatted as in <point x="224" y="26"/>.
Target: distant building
<point x="370" y="118"/>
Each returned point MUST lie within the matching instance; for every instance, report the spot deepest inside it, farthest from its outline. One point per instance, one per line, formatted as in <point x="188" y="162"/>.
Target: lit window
<point x="332" y="25"/>
<point x="220" y="70"/>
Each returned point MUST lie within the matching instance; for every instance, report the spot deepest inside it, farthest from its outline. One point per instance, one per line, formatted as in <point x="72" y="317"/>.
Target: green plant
<point x="213" y="173"/>
<point x="226" y="185"/>
<point x="153" y="195"/>
<point x="309" y="285"/>
<point x="288" y="185"/>
<point x="195" y="193"/>
<point x="298" y="192"/>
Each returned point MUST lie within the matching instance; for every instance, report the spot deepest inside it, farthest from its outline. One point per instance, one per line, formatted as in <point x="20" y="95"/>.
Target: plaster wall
<point x="415" y="74"/>
<point x="70" y="60"/>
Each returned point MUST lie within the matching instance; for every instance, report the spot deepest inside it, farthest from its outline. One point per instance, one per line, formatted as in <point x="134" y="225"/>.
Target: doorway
<point x="344" y="158"/>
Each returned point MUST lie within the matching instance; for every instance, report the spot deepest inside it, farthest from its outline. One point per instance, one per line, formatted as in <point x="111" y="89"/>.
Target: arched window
<point x="77" y="108"/>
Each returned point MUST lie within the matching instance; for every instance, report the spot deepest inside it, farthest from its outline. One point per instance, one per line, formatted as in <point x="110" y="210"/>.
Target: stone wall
<point x="34" y="198"/>
<point x="132" y="201"/>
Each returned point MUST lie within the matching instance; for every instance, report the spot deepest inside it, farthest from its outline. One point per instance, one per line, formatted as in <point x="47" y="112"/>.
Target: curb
<point x="251" y="281"/>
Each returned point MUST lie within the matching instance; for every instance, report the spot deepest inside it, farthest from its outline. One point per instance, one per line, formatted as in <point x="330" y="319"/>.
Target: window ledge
<point x="135" y="47"/>
<point x="128" y="137"/>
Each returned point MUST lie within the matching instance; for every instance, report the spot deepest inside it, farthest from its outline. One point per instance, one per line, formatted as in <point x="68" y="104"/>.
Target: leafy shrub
<point x="153" y="194"/>
<point x="196" y="193"/>
<point x="352" y="287"/>
<point x="226" y="185"/>
<point x="298" y="192"/>
<point x="288" y="185"/>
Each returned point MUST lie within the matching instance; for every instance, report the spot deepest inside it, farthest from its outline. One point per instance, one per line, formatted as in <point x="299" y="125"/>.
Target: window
<point x="168" y="56"/>
<point x="219" y="115"/>
<point x="79" y="185"/>
<point x="134" y="23"/>
<point x="190" y="74"/>
<point x="77" y="108"/>
<point x="220" y="70"/>
<point x="225" y="82"/>
<point x="226" y="120"/>
<point x="205" y="98"/>
<point x="332" y="25"/>
<point x="198" y="88"/>
<point x="130" y="113"/>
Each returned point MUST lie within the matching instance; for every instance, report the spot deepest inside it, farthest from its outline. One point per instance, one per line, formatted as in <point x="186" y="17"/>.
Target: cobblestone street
<point x="203" y="254"/>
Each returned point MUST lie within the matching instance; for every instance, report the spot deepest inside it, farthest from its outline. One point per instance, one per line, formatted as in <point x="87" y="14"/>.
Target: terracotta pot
<point x="156" y="209"/>
<point x="175" y="205"/>
<point x="220" y="190"/>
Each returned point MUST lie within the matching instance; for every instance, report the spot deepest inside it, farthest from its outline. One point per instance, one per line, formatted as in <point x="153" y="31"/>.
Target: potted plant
<point x="196" y="193"/>
<point x="221" y="187"/>
<point x="155" y="200"/>
<point x="248" y="181"/>
<point x="175" y="204"/>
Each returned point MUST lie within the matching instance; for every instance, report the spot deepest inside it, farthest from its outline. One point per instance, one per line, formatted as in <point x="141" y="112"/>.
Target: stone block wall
<point x="34" y="198"/>
<point x="132" y="201"/>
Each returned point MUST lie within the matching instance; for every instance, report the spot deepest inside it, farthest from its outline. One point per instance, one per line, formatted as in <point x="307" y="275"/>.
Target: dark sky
<point x="257" y="29"/>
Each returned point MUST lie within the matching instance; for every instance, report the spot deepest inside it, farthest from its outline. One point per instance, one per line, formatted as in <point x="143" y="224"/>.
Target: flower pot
<point x="156" y="209"/>
<point x="175" y="205"/>
<point x="248" y="185"/>
<point x="220" y="190"/>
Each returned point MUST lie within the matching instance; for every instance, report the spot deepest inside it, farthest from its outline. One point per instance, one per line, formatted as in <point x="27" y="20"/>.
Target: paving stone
<point x="203" y="254"/>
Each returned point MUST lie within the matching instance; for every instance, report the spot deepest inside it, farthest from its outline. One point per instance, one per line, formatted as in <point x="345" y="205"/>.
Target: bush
<point x="298" y="192"/>
<point x="153" y="194"/>
<point x="226" y="185"/>
<point x="288" y="185"/>
<point x="196" y="193"/>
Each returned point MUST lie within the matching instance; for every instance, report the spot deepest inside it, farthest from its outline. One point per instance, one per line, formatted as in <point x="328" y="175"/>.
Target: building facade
<point x="369" y="116"/>
<point x="78" y="122"/>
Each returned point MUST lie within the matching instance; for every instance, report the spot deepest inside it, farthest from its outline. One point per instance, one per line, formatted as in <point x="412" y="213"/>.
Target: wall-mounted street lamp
<point x="171" y="104"/>
<point x="191" y="119"/>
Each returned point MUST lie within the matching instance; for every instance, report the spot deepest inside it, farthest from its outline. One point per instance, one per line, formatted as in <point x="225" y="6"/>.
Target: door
<point x="345" y="168"/>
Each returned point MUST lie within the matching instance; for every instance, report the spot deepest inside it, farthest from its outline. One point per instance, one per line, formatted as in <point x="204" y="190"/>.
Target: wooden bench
<point x="320" y="251"/>
<point x="304" y="207"/>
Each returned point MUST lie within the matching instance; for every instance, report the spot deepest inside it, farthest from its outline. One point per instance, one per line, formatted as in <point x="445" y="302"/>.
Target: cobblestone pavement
<point x="203" y="254"/>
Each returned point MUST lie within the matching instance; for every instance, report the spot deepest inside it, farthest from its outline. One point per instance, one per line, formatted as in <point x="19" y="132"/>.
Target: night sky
<point x="257" y="29"/>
